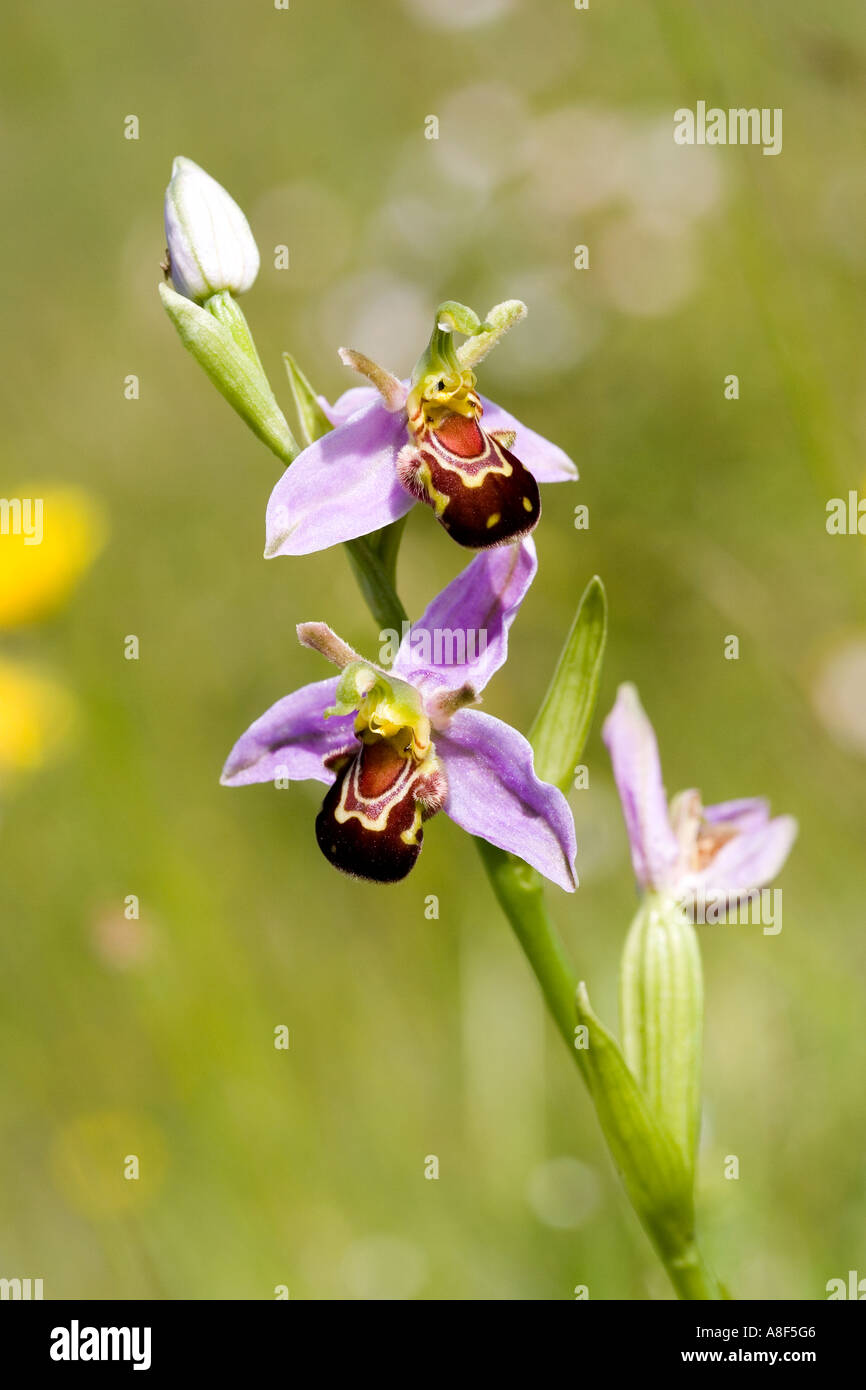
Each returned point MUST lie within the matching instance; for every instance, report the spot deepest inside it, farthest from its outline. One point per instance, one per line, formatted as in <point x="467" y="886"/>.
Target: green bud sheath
<point x="220" y="341"/>
<point x="661" y="1008"/>
<point x="226" y="310"/>
<point x="646" y="1155"/>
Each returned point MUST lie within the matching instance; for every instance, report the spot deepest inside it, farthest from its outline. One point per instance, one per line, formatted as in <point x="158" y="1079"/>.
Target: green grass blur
<point x="412" y="1037"/>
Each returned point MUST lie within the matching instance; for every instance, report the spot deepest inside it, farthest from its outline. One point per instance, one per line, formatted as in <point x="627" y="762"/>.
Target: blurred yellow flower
<point x="36" y="577"/>
<point x="48" y="538"/>
<point x="36" y="717"/>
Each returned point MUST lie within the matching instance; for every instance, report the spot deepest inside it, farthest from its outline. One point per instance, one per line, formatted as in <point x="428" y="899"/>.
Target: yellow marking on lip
<point x="410" y="836"/>
<point x="476" y="479"/>
<point x="527" y="504"/>
<point x="493" y="519"/>
<point x="439" y="500"/>
<point x="378" y="823"/>
<point x="451" y="464"/>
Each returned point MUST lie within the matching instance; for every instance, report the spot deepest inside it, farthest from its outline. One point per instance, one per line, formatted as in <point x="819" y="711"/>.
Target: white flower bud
<point x="210" y="245"/>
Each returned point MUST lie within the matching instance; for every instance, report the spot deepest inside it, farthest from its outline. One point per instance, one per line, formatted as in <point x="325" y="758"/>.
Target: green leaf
<point x="661" y="1011"/>
<point x="562" y="724"/>
<point x="214" y="345"/>
<point x="311" y="417"/>
<point x="646" y="1156"/>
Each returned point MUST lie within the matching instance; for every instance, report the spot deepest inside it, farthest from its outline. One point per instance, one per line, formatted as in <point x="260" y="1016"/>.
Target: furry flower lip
<point x="433" y="439"/>
<point x="395" y="746"/>
<point x="210" y="245"/>
<point x="732" y="847"/>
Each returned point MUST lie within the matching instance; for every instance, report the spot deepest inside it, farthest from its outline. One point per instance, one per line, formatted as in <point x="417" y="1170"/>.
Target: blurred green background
<point x="412" y="1037"/>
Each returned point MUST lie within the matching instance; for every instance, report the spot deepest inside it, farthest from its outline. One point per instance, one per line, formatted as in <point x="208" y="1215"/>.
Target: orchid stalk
<point x="397" y="740"/>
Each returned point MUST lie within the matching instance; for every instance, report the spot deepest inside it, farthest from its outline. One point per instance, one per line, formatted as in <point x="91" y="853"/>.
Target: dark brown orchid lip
<point x="479" y="490"/>
<point x="369" y="825"/>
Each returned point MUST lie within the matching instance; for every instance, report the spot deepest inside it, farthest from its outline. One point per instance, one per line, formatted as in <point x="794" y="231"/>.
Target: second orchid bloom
<point x="395" y="746"/>
<point x="395" y="443"/>
<point x="684" y="848"/>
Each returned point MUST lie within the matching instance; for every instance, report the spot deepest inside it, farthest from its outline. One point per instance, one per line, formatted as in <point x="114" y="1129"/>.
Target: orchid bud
<point x="661" y="1007"/>
<point x="210" y="245"/>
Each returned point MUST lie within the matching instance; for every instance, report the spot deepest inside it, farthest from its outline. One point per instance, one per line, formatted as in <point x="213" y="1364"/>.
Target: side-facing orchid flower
<point x="681" y="853"/>
<point x="413" y="746"/>
<point x="687" y="848"/>
<point x="395" y="443"/>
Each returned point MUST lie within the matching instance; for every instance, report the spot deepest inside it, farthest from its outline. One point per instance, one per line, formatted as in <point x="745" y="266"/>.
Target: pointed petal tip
<point x="274" y="546"/>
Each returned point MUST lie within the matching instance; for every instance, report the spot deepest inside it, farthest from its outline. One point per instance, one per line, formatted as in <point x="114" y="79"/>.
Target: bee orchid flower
<point x="395" y="443"/>
<point x="396" y="745"/>
<point x="686" y="848"/>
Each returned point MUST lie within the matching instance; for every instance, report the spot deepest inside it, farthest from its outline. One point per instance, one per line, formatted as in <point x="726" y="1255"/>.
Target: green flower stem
<point x="375" y="583"/>
<point x="519" y="892"/>
<point x="387" y="544"/>
<point x="691" y="1276"/>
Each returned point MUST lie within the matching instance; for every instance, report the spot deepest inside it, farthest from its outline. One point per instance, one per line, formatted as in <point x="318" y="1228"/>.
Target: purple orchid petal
<point x="462" y="639"/>
<point x="342" y="486"/>
<point x="547" y="462"/>
<point x="290" y="740"/>
<point x="748" y="813"/>
<point x="349" y="403"/>
<point x="750" y="860"/>
<point x="493" y="792"/>
<point x="634" y="754"/>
